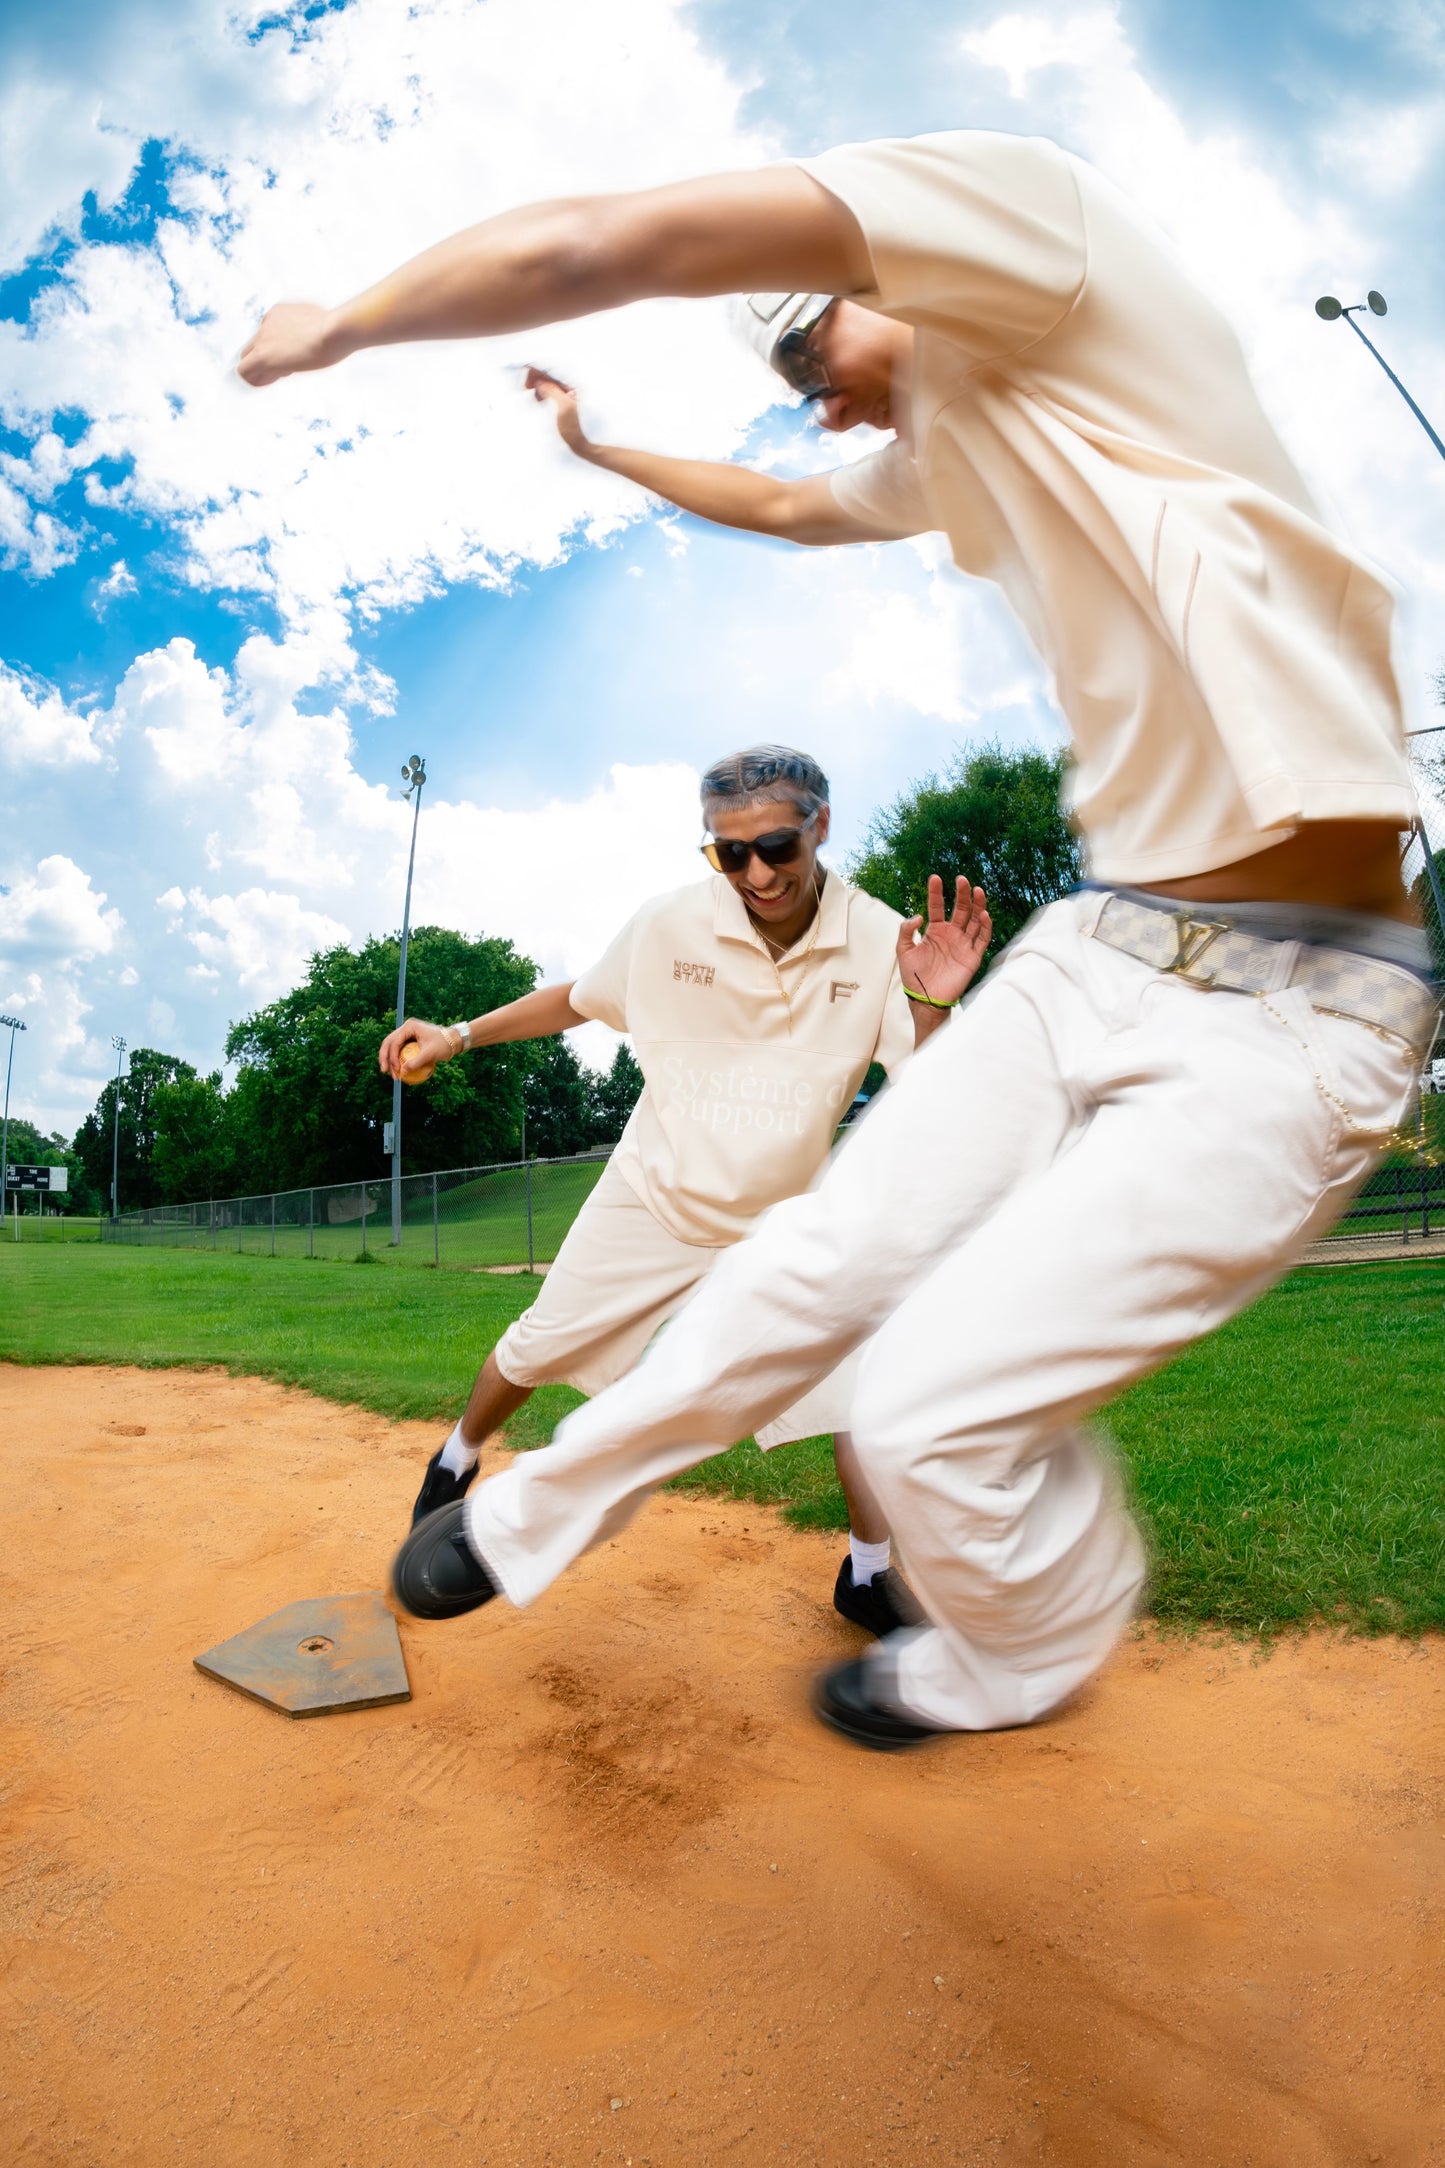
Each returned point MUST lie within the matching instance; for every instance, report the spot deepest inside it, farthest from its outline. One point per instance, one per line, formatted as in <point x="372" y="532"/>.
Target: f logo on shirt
<point x="842" y="989"/>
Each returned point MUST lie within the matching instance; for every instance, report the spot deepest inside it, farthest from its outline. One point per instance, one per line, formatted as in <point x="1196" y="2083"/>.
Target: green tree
<point x="308" y="1103"/>
<point x="616" y="1094"/>
<point x="562" y="1113"/>
<point x="146" y="1072"/>
<point x="1423" y="893"/>
<point x="992" y="816"/>
<point x="195" y="1153"/>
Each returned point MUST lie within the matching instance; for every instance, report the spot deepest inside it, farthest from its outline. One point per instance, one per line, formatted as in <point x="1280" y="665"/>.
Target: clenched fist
<point x="292" y="337"/>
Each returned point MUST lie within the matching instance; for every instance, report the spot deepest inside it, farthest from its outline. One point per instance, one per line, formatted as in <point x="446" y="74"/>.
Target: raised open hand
<point x="939" y="956"/>
<point x="549" y="390"/>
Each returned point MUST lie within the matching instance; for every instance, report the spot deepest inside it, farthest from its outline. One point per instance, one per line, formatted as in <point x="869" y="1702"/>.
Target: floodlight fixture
<point x="1332" y="310"/>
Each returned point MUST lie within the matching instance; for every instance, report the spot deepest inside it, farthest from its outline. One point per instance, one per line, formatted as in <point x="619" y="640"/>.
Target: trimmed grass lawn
<point x="1291" y="1468"/>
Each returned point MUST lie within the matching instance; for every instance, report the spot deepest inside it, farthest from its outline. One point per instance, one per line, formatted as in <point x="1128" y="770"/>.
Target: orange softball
<point x="413" y="1069"/>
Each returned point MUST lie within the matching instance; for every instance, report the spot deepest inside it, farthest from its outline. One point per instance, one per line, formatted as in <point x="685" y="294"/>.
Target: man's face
<point x="867" y="358"/>
<point x="773" y="894"/>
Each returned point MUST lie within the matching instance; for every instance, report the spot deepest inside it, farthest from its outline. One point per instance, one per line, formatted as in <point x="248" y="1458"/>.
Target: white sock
<point x="868" y="1558"/>
<point x="457" y="1456"/>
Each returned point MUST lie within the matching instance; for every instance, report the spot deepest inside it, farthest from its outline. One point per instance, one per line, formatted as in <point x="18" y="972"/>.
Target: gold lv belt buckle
<point x="1193" y="936"/>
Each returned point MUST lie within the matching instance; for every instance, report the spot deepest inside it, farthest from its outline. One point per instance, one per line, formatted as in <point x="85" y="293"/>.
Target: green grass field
<point x="1290" y="1469"/>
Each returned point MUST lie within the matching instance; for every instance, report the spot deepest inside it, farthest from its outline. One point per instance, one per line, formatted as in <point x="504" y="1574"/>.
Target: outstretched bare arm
<point x="539" y="1015"/>
<point x="803" y="511"/>
<point x="774" y="230"/>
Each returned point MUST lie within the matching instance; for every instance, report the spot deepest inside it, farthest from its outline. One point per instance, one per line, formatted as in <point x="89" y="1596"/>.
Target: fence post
<point x="363" y="1219"/>
<point x="531" y="1262"/>
<point x="311" y="1224"/>
<point x="1402" y="1207"/>
<point x="436" y="1238"/>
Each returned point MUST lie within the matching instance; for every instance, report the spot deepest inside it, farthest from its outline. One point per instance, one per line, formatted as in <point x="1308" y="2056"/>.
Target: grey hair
<point x="765" y="771"/>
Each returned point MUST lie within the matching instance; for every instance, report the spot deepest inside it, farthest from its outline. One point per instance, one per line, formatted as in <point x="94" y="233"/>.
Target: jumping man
<point x="1178" y="1075"/>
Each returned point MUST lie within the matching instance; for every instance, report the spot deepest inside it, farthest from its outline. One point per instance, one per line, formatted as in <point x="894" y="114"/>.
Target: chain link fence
<point x="512" y="1214"/>
<point x="50" y="1226"/>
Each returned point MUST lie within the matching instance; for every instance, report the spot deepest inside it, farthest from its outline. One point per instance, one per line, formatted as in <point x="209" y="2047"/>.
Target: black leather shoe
<point x="884" y="1605"/>
<point x="842" y="1698"/>
<point x="439" y="1487"/>
<point x="436" y="1573"/>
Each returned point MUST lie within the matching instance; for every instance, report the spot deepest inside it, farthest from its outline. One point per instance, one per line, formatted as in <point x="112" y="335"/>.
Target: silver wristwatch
<point x="463" y="1031"/>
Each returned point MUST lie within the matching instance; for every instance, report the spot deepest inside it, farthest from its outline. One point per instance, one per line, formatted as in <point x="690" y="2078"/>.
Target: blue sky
<point x="225" y="620"/>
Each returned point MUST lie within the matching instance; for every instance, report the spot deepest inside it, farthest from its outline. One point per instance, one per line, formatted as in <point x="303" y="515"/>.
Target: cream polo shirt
<point x="1085" y="432"/>
<point x="742" y="1099"/>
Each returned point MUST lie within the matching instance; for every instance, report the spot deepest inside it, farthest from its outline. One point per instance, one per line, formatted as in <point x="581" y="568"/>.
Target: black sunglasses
<point x="798" y="365"/>
<point x="779" y="848"/>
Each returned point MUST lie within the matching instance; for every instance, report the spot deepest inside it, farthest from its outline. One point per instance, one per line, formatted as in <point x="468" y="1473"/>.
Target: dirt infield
<point x="602" y="1891"/>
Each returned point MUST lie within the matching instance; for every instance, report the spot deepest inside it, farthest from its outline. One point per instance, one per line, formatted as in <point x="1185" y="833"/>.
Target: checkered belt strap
<point x="1214" y="954"/>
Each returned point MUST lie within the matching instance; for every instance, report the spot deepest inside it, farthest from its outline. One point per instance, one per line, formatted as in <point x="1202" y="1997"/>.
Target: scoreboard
<point x="53" y="1179"/>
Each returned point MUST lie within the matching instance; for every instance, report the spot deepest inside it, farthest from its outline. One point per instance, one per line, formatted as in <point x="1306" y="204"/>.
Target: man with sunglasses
<point x="1177" y="1076"/>
<point x="756" y="1001"/>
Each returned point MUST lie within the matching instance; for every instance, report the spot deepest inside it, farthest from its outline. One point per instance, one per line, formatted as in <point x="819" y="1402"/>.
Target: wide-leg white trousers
<point x="1091" y="1166"/>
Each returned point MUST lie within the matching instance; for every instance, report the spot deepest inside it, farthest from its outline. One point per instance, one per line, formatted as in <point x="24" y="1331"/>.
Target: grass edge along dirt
<point x="1288" y="1469"/>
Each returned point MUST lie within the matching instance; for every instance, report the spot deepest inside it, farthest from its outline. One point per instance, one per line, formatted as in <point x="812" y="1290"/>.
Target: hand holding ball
<point x="415" y="1049"/>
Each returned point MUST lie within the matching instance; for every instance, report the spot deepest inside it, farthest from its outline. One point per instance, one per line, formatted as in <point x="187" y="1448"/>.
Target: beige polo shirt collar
<point x="730" y="920"/>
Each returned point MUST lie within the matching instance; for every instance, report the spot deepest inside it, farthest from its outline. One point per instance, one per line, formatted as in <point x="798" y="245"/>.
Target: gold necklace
<point x="802" y="959"/>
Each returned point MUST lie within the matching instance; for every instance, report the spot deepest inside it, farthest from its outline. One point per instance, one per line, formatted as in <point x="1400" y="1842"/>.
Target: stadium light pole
<point x="414" y="774"/>
<point x="1333" y="311"/>
<point x="15" y="1025"/>
<point x="119" y="1045"/>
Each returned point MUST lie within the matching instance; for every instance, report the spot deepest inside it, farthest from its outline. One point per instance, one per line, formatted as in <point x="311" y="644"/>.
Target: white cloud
<point x="119" y="581"/>
<point x="391" y="123"/>
<point x="30" y="540"/>
<point x="331" y="848"/>
<point x="55" y="912"/>
<point x="58" y="1068"/>
<point x="37" y="727"/>
<point x="260" y="939"/>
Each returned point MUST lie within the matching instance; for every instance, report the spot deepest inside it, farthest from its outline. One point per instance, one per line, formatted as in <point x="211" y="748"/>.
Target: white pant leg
<point x="1227" y="1133"/>
<point x="781" y="1309"/>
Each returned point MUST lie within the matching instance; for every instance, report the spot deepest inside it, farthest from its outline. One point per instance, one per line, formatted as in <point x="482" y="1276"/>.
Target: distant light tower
<point x="15" y="1025"/>
<point x="119" y="1045"/>
<point x="1332" y="310"/>
<point x="414" y="774"/>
